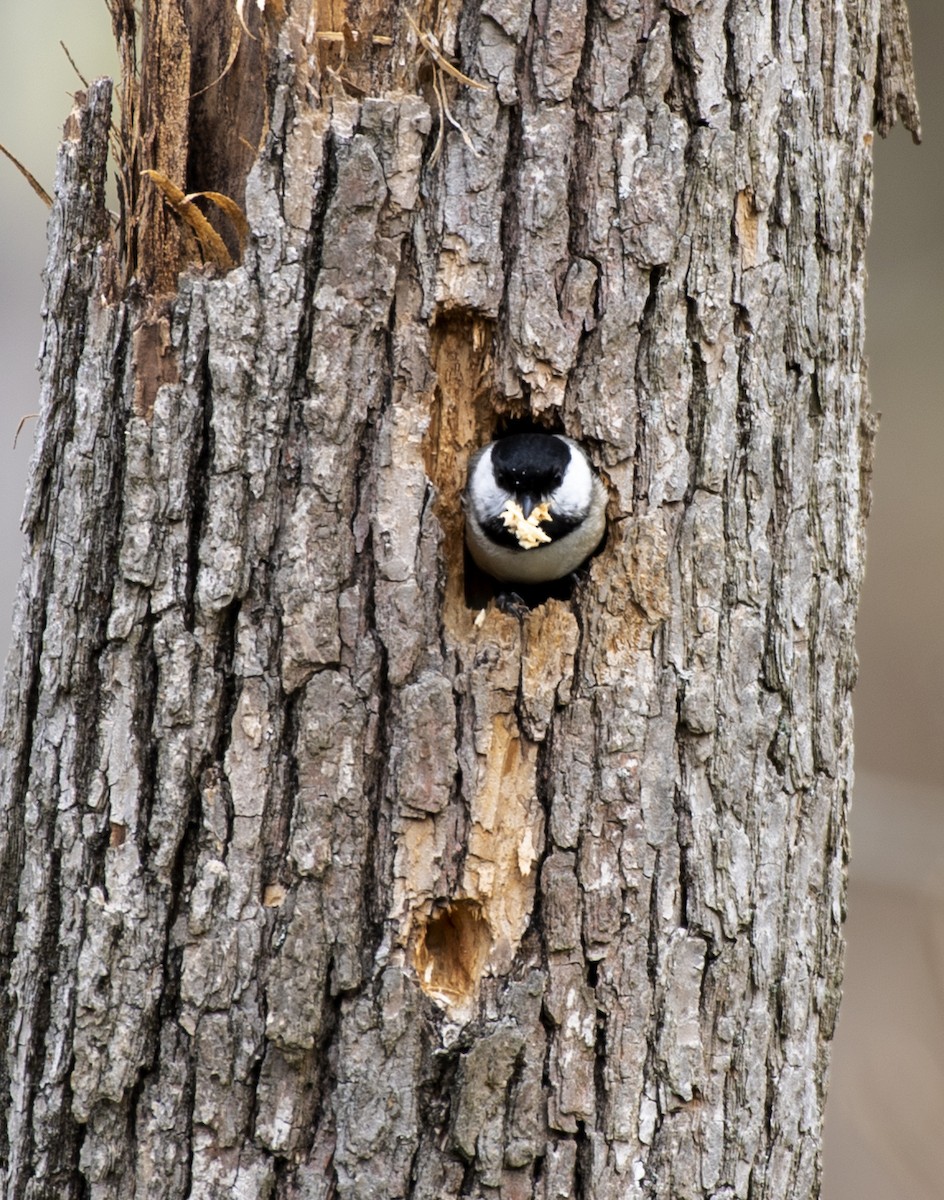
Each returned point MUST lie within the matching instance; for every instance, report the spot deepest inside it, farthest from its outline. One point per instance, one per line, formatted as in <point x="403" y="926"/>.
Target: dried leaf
<point x="241" y="16"/>
<point x="212" y="245"/>
<point x="235" y="41"/>
<point x="233" y="211"/>
<point x="431" y="44"/>
<point x="440" y="86"/>
<point x="332" y="35"/>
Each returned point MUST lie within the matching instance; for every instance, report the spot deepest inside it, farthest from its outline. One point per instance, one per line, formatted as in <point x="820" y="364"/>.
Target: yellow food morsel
<point x="526" y="529"/>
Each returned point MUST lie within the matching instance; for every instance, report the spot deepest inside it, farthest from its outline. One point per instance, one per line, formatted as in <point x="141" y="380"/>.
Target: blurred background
<point x="885" y="1120"/>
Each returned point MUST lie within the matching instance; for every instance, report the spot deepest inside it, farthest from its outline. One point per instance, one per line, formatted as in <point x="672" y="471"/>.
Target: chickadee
<point x="534" y="508"/>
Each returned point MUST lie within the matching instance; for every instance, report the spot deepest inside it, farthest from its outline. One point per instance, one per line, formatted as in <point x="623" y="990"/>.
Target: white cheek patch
<point x="489" y="499"/>
<point x="572" y="498"/>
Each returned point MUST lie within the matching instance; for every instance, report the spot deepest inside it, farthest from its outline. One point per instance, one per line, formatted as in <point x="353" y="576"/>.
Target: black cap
<point x="530" y="464"/>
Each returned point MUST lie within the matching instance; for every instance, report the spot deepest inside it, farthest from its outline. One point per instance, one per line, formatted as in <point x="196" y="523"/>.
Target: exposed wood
<point x="228" y="101"/>
<point x="163" y="99"/>
<point x="315" y="881"/>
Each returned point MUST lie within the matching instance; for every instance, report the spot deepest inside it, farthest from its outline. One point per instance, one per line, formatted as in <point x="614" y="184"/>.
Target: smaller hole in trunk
<point x="452" y="951"/>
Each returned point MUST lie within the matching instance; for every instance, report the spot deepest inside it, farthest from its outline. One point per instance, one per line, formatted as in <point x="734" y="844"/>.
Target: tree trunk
<point x="316" y="880"/>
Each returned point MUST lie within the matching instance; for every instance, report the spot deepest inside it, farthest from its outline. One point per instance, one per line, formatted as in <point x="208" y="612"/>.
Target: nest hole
<point x="452" y="950"/>
<point x="467" y="412"/>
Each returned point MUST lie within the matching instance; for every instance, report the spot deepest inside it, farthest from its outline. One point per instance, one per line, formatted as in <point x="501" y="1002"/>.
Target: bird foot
<point x="512" y="605"/>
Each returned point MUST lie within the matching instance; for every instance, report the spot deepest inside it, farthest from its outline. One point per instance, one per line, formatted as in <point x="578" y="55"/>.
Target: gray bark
<point x="313" y="883"/>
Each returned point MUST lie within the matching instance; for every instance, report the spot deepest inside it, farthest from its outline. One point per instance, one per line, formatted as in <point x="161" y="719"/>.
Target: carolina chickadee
<point x="534" y="508"/>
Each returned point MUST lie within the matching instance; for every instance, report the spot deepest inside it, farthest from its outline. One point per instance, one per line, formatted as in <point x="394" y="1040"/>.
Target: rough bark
<point x="314" y="882"/>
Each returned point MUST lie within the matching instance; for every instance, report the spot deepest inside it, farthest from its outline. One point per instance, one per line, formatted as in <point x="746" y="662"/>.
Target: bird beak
<point x="528" y="504"/>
